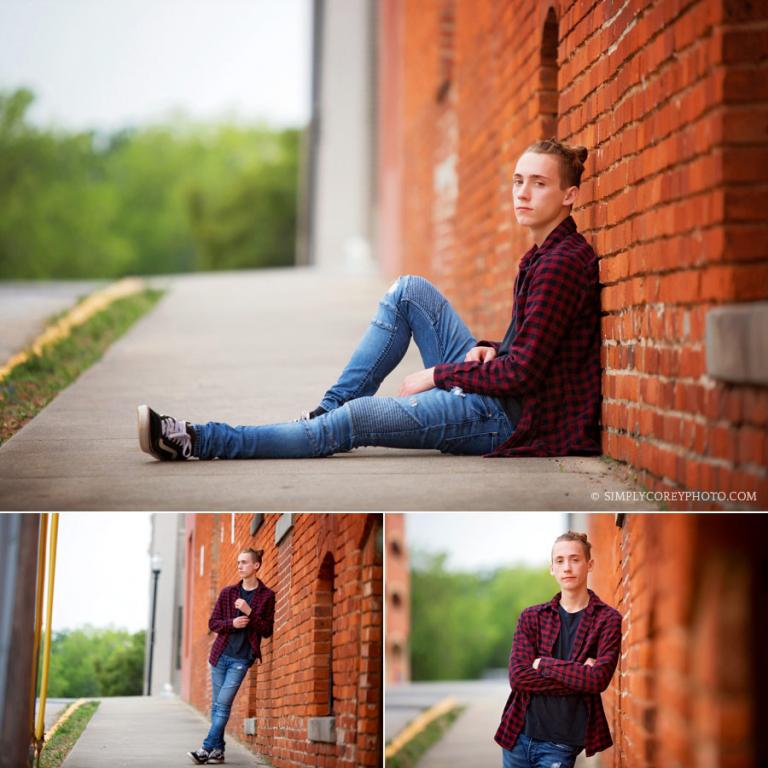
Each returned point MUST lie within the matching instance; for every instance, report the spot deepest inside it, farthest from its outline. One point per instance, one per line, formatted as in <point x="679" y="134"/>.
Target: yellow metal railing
<point x="46" y="565"/>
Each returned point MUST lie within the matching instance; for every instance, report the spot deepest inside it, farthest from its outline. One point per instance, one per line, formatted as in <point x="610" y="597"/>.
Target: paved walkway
<point x="469" y="740"/>
<point x="256" y="347"/>
<point x="140" y="730"/>
<point x="26" y="307"/>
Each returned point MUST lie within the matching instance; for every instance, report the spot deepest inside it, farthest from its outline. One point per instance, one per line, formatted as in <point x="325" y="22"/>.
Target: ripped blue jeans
<point x="534" y="753"/>
<point x="451" y="422"/>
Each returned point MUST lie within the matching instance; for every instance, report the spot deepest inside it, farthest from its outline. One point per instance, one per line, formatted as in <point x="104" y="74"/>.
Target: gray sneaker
<point x="199" y="756"/>
<point x="216" y="756"/>
<point x="163" y="437"/>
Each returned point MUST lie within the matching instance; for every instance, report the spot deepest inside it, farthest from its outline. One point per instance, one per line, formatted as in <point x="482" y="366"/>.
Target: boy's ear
<point x="570" y="196"/>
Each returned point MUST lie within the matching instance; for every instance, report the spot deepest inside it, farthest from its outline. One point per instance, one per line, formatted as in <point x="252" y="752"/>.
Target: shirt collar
<point x="566" y="227"/>
<point x="594" y="602"/>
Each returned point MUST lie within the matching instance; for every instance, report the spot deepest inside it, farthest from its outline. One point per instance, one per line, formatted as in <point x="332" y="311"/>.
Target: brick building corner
<point x="689" y="689"/>
<point x="398" y="597"/>
<point x="316" y="698"/>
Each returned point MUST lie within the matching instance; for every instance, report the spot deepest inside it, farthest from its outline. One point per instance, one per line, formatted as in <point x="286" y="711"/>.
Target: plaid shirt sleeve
<point x="583" y="678"/>
<point x="557" y="290"/>
<point x="221" y="616"/>
<point x="262" y="618"/>
<point x="522" y="676"/>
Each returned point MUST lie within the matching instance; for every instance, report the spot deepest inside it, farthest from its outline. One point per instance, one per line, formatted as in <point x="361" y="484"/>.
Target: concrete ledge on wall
<point x="737" y="343"/>
<point x="322" y="729"/>
<point x="249" y="726"/>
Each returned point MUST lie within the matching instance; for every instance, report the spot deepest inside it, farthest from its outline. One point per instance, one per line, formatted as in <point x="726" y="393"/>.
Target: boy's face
<point x="246" y="567"/>
<point x="570" y="565"/>
<point x="539" y="198"/>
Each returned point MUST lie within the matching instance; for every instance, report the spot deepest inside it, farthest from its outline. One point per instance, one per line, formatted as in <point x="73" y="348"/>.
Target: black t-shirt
<point x="562" y="719"/>
<point x="237" y="643"/>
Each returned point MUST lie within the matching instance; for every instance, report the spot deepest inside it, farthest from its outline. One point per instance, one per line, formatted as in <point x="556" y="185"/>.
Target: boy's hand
<point x="240" y="622"/>
<point x="417" y="382"/>
<point x="590" y="662"/>
<point x="242" y="605"/>
<point x="480" y="355"/>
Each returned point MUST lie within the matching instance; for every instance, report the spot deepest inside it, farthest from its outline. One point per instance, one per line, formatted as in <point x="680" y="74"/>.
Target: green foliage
<point x="156" y="200"/>
<point x="33" y="384"/>
<point x="96" y="662"/>
<point x="412" y="751"/>
<point x="462" y="623"/>
<point x="66" y="736"/>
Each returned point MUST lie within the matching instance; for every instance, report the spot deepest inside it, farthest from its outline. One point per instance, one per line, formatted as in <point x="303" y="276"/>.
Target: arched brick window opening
<point x="446" y="46"/>
<point x="322" y="703"/>
<point x="547" y="91"/>
<point x="371" y="672"/>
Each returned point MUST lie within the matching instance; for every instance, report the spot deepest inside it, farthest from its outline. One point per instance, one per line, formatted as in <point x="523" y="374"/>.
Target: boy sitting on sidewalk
<point x="534" y="393"/>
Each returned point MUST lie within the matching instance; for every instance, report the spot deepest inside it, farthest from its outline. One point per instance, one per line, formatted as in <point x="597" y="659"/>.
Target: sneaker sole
<point x="195" y="760"/>
<point x="142" y="415"/>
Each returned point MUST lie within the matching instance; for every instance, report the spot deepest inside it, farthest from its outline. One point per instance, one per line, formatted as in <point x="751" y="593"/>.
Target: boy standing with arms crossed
<point x="564" y="654"/>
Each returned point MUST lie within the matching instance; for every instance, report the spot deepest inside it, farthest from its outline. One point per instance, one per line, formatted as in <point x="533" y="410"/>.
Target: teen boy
<point x="243" y="614"/>
<point x="535" y="393"/>
<point x="563" y="655"/>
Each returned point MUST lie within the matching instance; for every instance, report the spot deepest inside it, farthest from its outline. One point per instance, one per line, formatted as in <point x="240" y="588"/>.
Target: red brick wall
<point x="692" y="592"/>
<point x="671" y="98"/>
<point x="322" y="551"/>
<point x="398" y="595"/>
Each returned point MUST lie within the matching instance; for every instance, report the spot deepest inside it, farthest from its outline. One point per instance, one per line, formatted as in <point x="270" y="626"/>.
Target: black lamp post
<point x="156" y="564"/>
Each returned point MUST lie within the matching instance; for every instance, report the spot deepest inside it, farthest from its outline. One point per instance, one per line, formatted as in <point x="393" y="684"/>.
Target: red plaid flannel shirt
<point x="553" y="365"/>
<point x="598" y="636"/>
<point x="260" y="621"/>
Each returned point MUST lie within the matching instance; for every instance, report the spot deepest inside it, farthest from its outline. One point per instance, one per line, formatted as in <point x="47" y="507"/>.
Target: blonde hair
<point x="571" y="159"/>
<point x="580" y="537"/>
<point x="256" y="554"/>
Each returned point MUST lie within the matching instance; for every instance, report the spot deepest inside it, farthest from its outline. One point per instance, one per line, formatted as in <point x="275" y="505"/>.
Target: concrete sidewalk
<point x="469" y="741"/>
<point x="27" y="305"/>
<point x="250" y="348"/>
<point x="141" y="730"/>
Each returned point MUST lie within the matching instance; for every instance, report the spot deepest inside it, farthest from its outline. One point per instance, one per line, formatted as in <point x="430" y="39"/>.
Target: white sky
<point x="108" y="64"/>
<point x="102" y="570"/>
<point x="486" y="540"/>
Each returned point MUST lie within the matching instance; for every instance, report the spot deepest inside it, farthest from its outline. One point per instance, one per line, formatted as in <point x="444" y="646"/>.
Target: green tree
<point x="96" y="662"/>
<point x="462" y="623"/>
<point x="160" y="199"/>
<point x="123" y="672"/>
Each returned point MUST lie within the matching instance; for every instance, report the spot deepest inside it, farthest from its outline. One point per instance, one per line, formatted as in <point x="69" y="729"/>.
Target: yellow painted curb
<point x="415" y="727"/>
<point x="68" y="712"/>
<point x="76" y="316"/>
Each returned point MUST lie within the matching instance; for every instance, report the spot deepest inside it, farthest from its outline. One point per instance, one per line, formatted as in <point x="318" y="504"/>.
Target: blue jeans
<point x="226" y="677"/>
<point x="533" y="753"/>
<point x="451" y="422"/>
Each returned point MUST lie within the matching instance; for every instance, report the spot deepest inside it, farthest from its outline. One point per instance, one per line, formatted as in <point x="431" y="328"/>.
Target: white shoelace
<point x="176" y="432"/>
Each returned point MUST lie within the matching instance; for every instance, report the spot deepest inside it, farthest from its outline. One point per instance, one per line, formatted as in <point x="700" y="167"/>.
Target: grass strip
<point x="66" y="735"/>
<point x="30" y="386"/>
<point x="411" y="752"/>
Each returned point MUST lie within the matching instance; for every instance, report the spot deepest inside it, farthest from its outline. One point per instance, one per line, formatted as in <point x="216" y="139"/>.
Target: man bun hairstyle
<point x="580" y="537"/>
<point x="571" y="159"/>
<point x="256" y="554"/>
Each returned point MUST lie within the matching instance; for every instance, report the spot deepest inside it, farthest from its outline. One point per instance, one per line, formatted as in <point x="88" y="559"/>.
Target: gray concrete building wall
<point x="343" y="155"/>
<point x="167" y="543"/>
